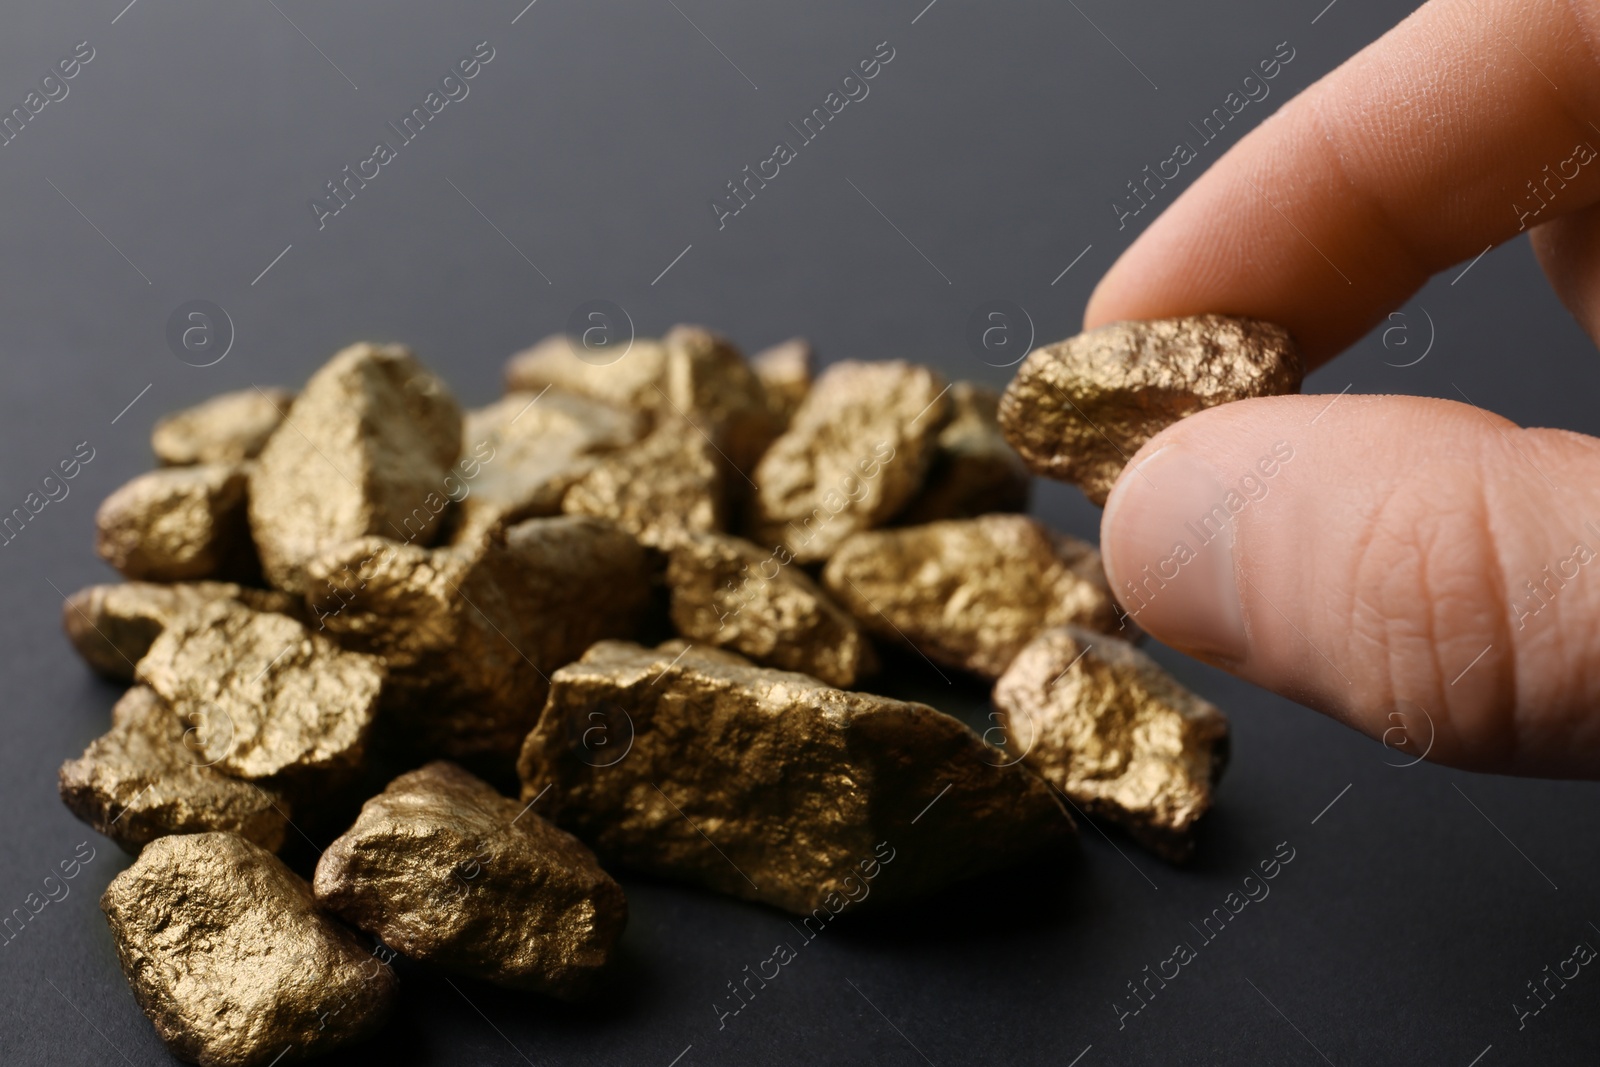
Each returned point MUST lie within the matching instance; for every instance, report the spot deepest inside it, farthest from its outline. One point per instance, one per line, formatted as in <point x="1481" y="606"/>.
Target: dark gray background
<point x="995" y="140"/>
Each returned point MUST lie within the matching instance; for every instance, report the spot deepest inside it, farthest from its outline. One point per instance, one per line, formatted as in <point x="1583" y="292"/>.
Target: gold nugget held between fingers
<point x="1079" y="409"/>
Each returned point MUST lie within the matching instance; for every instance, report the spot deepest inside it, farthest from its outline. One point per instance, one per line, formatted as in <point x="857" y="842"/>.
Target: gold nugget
<point x="725" y="399"/>
<point x="522" y="453"/>
<point x="691" y="377"/>
<point x="853" y="456"/>
<point x="148" y="778"/>
<point x="448" y="871"/>
<point x="667" y="486"/>
<point x="970" y="593"/>
<point x="113" y="626"/>
<point x="785" y="373"/>
<point x="770" y="785"/>
<point x="230" y="959"/>
<point x="1079" y="409"/>
<point x="179" y="524"/>
<point x="229" y="428"/>
<point x="625" y="374"/>
<point x="470" y="634"/>
<point x="733" y="594"/>
<point x="1116" y="733"/>
<point x="276" y="700"/>
<point x="366" y="449"/>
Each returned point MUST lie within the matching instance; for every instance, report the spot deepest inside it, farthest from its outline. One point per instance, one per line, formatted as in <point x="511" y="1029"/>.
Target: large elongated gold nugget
<point x="147" y="778"/>
<point x="853" y="456"/>
<point x="470" y="635"/>
<point x="448" y="871"/>
<point x="1079" y="409"/>
<point x="179" y="524"/>
<point x="970" y="593"/>
<point x="229" y="957"/>
<point x="974" y="471"/>
<point x="275" y="699"/>
<point x="113" y="626"/>
<point x="770" y="785"/>
<point x="732" y="594"/>
<point x="1116" y="733"/>
<point x="229" y="428"/>
<point x="366" y="449"/>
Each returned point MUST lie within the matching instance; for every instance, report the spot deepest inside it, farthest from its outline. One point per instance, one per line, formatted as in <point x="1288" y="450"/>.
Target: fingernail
<point x="1167" y="541"/>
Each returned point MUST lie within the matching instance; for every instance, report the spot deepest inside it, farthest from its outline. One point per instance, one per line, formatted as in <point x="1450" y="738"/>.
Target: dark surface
<point x="1407" y="923"/>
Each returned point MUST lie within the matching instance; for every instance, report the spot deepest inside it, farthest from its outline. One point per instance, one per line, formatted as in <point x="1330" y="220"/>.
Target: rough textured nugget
<point x="470" y="635"/>
<point x="667" y="486"/>
<point x="227" y="954"/>
<point x="448" y="871"/>
<point x="146" y="778"/>
<point x="113" y="626"/>
<point x="785" y="374"/>
<point x="229" y="428"/>
<point x="366" y="449"/>
<point x="732" y="594"/>
<point x="1116" y="733"/>
<point x="770" y="785"/>
<point x="276" y="700"/>
<point x="1079" y="409"/>
<point x="179" y="524"/>
<point x="969" y="593"/>
<point x="690" y="374"/>
<point x="521" y="454"/>
<point x="854" y="455"/>
<point x="974" y="471"/>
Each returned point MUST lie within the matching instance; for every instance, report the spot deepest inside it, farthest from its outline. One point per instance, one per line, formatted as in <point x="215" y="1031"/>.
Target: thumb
<point x="1391" y="561"/>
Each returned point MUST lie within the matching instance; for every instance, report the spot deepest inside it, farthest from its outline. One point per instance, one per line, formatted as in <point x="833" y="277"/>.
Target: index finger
<point x="1461" y="127"/>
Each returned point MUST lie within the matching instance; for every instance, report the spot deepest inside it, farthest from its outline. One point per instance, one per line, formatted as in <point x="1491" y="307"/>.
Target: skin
<point x="1394" y="547"/>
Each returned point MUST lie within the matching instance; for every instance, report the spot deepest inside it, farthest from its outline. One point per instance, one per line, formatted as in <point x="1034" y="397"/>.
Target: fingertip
<point x="1359" y="554"/>
<point x="1168" y="552"/>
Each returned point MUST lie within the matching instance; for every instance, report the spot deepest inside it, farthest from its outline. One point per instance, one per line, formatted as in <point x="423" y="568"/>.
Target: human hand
<point x="1411" y="555"/>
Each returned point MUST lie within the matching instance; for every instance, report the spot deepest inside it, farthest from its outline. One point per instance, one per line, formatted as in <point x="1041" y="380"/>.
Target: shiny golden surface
<point x="668" y="485"/>
<point x="974" y="471"/>
<point x="179" y="524"/>
<point x="785" y="374"/>
<point x="733" y="594"/>
<point x="520" y="454"/>
<point x="470" y="634"/>
<point x="853" y="456"/>
<point x="147" y="778"/>
<point x="228" y="956"/>
<point x="448" y="871"/>
<point x="770" y="785"/>
<point x="229" y="428"/>
<point x="1116" y="733"/>
<point x="268" y="698"/>
<point x="970" y="593"/>
<point x="1079" y="409"/>
<point x="366" y="449"/>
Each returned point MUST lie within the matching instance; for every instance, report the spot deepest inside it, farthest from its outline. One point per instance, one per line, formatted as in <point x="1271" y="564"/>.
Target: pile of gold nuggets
<point x="654" y="590"/>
